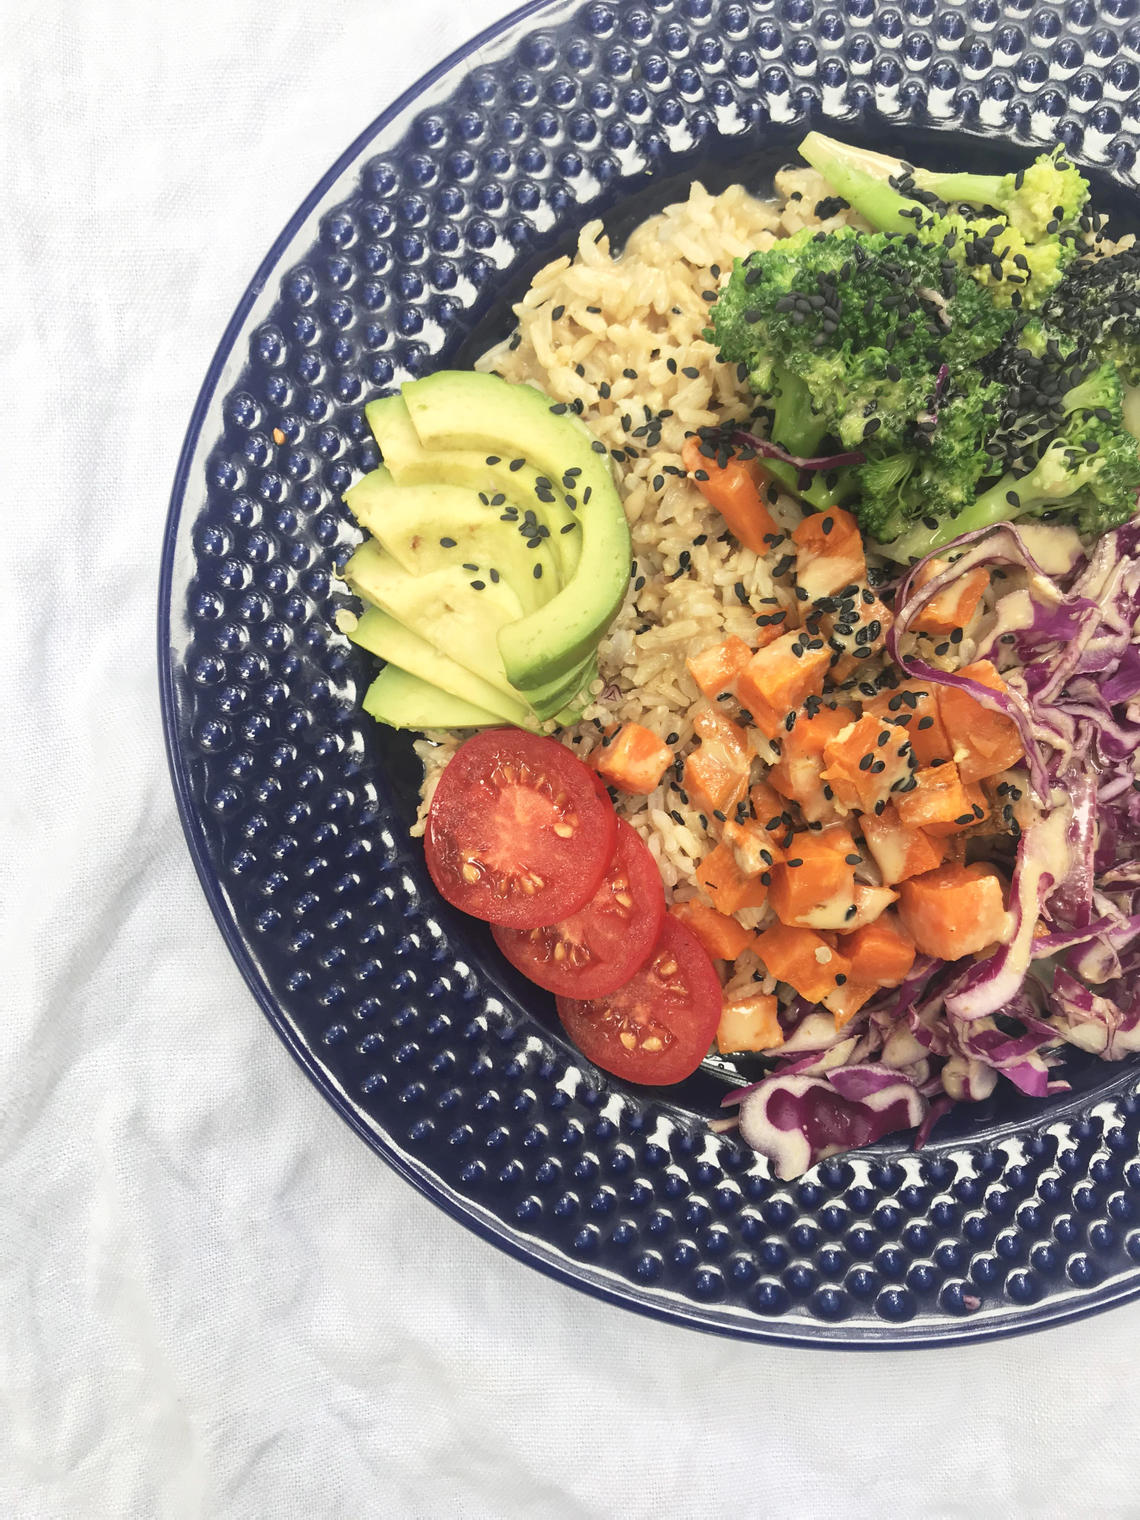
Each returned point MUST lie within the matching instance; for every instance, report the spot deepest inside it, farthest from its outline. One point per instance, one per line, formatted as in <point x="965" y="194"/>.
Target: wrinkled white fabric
<point x="214" y="1300"/>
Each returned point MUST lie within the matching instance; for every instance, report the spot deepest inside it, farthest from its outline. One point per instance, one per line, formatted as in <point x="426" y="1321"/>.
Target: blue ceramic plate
<point x="406" y="257"/>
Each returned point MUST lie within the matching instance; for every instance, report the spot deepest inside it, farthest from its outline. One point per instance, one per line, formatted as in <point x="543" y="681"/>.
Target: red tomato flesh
<point x="657" y="1028"/>
<point x="597" y="949"/>
<point x="519" y="831"/>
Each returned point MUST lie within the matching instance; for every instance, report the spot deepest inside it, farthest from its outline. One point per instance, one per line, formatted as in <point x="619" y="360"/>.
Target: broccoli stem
<point x="870" y="195"/>
<point x="795" y="426"/>
<point x="975" y="189"/>
<point x="992" y="506"/>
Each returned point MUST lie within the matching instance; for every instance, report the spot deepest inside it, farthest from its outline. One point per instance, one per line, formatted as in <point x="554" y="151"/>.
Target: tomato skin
<point x="520" y="831"/>
<point x="605" y="942"/>
<point x="675" y="1000"/>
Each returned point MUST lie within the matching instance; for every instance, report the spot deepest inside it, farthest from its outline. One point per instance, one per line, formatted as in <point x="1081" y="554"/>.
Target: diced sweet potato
<point x="779" y="678"/>
<point x="802" y="958"/>
<point x="856" y="631"/>
<point x="941" y="803"/>
<point x="749" y="1024"/>
<point x="770" y="812"/>
<point x="985" y="742"/>
<point x="716" y="774"/>
<point x="797" y="774"/>
<point x="773" y="620"/>
<point x="954" y="911"/>
<point x="913" y="705"/>
<point x="814" y="886"/>
<point x="881" y="953"/>
<point x="953" y="607"/>
<point x="898" y="851"/>
<point x="716" y="668"/>
<point x="634" y="760"/>
<point x="735" y="488"/>
<point x="729" y="889"/>
<point x="721" y="935"/>
<point x="829" y="553"/>
<point x="753" y="847"/>
<point x="846" y="1000"/>
<point x="869" y="903"/>
<point x="866" y="762"/>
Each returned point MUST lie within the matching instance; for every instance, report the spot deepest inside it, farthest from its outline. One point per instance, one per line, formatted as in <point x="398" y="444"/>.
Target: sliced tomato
<point x="519" y="831"/>
<point x="597" y="949"/>
<point x="659" y="1026"/>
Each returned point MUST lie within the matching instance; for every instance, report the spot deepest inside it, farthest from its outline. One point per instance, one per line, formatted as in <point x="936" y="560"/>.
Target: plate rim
<point x="529" y="1251"/>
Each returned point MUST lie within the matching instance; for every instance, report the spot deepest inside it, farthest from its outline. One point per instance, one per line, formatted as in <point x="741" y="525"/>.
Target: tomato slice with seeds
<point x="597" y="949"/>
<point x="519" y="831"/>
<point x="657" y="1028"/>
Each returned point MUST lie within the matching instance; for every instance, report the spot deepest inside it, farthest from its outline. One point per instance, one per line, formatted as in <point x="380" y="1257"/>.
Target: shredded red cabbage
<point x="769" y="450"/>
<point x="1066" y="642"/>
<point x="797" y="1120"/>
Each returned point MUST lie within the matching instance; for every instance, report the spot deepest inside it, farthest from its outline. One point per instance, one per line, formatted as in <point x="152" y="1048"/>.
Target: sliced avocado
<point x="432" y="526"/>
<point x="479" y="469"/>
<point x="441" y="607"/>
<point x="383" y="636"/>
<point x="457" y="410"/>
<point x="549" y="699"/>
<point x="402" y="700"/>
<point x="567" y="716"/>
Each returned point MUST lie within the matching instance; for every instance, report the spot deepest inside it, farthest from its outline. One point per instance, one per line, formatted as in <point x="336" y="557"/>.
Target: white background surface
<point x="214" y="1301"/>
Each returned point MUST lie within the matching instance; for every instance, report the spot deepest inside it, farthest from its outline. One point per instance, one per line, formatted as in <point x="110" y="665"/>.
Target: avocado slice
<point x="418" y="642"/>
<point x="432" y="526"/>
<point x="383" y="636"/>
<point x="402" y="700"/>
<point x="441" y="607"/>
<point x="551" y="698"/>
<point x="455" y="410"/>
<point x="479" y="469"/>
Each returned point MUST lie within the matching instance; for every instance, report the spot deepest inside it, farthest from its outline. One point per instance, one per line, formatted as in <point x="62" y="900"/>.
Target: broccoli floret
<point x="850" y="340"/>
<point x="939" y="475"/>
<point x="1047" y="375"/>
<point x="843" y="334"/>
<point x="1088" y="475"/>
<point x="1039" y="201"/>
<point x="833" y="334"/>
<point x="1098" y="304"/>
<point x="1017" y="270"/>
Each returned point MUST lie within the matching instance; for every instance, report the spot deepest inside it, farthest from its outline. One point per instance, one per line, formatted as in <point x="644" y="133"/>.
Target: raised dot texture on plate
<point x="297" y="809"/>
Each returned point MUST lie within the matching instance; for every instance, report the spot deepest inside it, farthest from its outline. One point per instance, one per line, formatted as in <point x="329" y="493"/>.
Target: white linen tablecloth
<point x="214" y="1300"/>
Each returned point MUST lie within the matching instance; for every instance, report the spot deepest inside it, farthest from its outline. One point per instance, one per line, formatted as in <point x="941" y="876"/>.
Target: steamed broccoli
<point x="939" y="475"/>
<point x="1040" y="201"/>
<point x="1011" y="253"/>
<point x="1098" y="302"/>
<point x="833" y="334"/>
<point x="1087" y="474"/>
<point x="849" y="339"/>
<point x="954" y="368"/>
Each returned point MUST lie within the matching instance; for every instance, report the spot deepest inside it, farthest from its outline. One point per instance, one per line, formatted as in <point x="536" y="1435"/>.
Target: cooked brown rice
<point x="623" y="336"/>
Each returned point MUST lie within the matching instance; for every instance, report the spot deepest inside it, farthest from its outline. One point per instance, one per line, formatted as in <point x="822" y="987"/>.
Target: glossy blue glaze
<point x="406" y="257"/>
